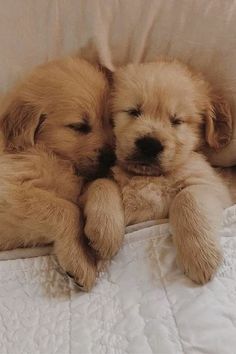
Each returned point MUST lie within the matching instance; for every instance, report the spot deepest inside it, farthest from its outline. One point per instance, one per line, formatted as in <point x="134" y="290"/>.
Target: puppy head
<point x="61" y="105"/>
<point x="162" y="112"/>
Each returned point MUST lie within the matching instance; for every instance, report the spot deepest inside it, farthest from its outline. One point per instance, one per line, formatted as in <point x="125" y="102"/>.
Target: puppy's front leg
<point x="195" y="218"/>
<point x="70" y="248"/>
<point x="34" y="216"/>
<point x="104" y="214"/>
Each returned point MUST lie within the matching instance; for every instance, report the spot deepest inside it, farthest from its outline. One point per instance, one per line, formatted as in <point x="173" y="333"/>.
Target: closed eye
<point x="134" y="112"/>
<point x="175" y="120"/>
<point x="82" y="127"/>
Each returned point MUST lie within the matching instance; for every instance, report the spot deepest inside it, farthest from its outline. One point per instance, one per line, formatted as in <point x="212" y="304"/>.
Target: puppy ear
<point x="20" y="123"/>
<point x="218" y="118"/>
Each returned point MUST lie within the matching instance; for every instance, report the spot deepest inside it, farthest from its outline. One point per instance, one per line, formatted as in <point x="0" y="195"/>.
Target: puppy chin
<point x="141" y="169"/>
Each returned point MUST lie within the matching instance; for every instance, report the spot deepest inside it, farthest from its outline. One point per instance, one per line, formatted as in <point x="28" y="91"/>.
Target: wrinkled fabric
<point x="142" y="304"/>
<point x="202" y="33"/>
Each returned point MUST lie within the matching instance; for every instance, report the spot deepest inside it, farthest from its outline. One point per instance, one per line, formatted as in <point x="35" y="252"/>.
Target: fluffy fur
<point x="164" y="115"/>
<point x="55" y="132"/>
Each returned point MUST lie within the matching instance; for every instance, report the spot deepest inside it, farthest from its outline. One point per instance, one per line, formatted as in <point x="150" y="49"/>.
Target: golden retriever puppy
<point x="55" y="132"/>
<point x="164" y="115"/>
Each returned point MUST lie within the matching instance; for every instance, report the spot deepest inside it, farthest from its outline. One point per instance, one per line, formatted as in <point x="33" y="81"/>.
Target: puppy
<point x="55" y="132"/>
<point x="163" y="116"/>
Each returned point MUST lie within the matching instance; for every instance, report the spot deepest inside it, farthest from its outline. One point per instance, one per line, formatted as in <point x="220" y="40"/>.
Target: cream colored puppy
<point x="163" y="116"/>
<point x="55" y="133"/>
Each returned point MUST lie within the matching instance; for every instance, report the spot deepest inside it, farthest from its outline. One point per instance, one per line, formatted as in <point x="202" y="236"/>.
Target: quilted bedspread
<point x="142" y="304"/>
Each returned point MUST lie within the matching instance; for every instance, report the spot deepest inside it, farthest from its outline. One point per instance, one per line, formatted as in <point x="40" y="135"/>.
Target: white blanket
<point x="143" y="304"/>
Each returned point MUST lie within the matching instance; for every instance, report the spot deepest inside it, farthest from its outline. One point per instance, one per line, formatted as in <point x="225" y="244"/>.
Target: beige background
<point x="200" y="32"/>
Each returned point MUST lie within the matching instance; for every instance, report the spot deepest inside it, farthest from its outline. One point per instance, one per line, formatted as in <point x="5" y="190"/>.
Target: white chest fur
<point x="149" y="197"/>
<point x="146" y="198"/>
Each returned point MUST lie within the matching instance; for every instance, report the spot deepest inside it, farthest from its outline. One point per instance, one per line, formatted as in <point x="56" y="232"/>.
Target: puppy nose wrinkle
<point x="148" y="146"/>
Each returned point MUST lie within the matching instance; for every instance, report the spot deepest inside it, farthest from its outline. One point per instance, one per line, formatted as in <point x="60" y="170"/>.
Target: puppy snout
<point x="107" y="157"/>
<point x="149" y="147"/>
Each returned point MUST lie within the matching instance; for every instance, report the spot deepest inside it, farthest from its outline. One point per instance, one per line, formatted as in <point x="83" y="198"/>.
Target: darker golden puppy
<point x="55" y="132"/>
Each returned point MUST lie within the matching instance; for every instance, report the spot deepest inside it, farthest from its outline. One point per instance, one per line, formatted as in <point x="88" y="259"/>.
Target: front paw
<point x="80" y="266"/>
<point x="105" y="233"/>
<point x="201" y="264"/>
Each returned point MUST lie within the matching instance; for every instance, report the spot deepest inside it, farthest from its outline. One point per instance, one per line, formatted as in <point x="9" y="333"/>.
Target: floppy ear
<point x="218" y="129"/>
<point x="19" y="123"/>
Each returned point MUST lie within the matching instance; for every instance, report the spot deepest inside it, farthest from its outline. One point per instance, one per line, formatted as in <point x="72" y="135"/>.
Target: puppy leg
<point x="195" y="218"/>
<point x="70" y="248"/>
<point x="104" y="225"/>
<point x="34" y="217"/>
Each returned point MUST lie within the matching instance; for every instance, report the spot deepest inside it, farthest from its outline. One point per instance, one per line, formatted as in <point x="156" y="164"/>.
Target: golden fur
<point x="178" y="110"/>
<point x="52" y="127"/>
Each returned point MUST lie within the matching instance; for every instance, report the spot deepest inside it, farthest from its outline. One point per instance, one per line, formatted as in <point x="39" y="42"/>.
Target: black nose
<point x="107" y="157"/>
<point x="149" y="147"/>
